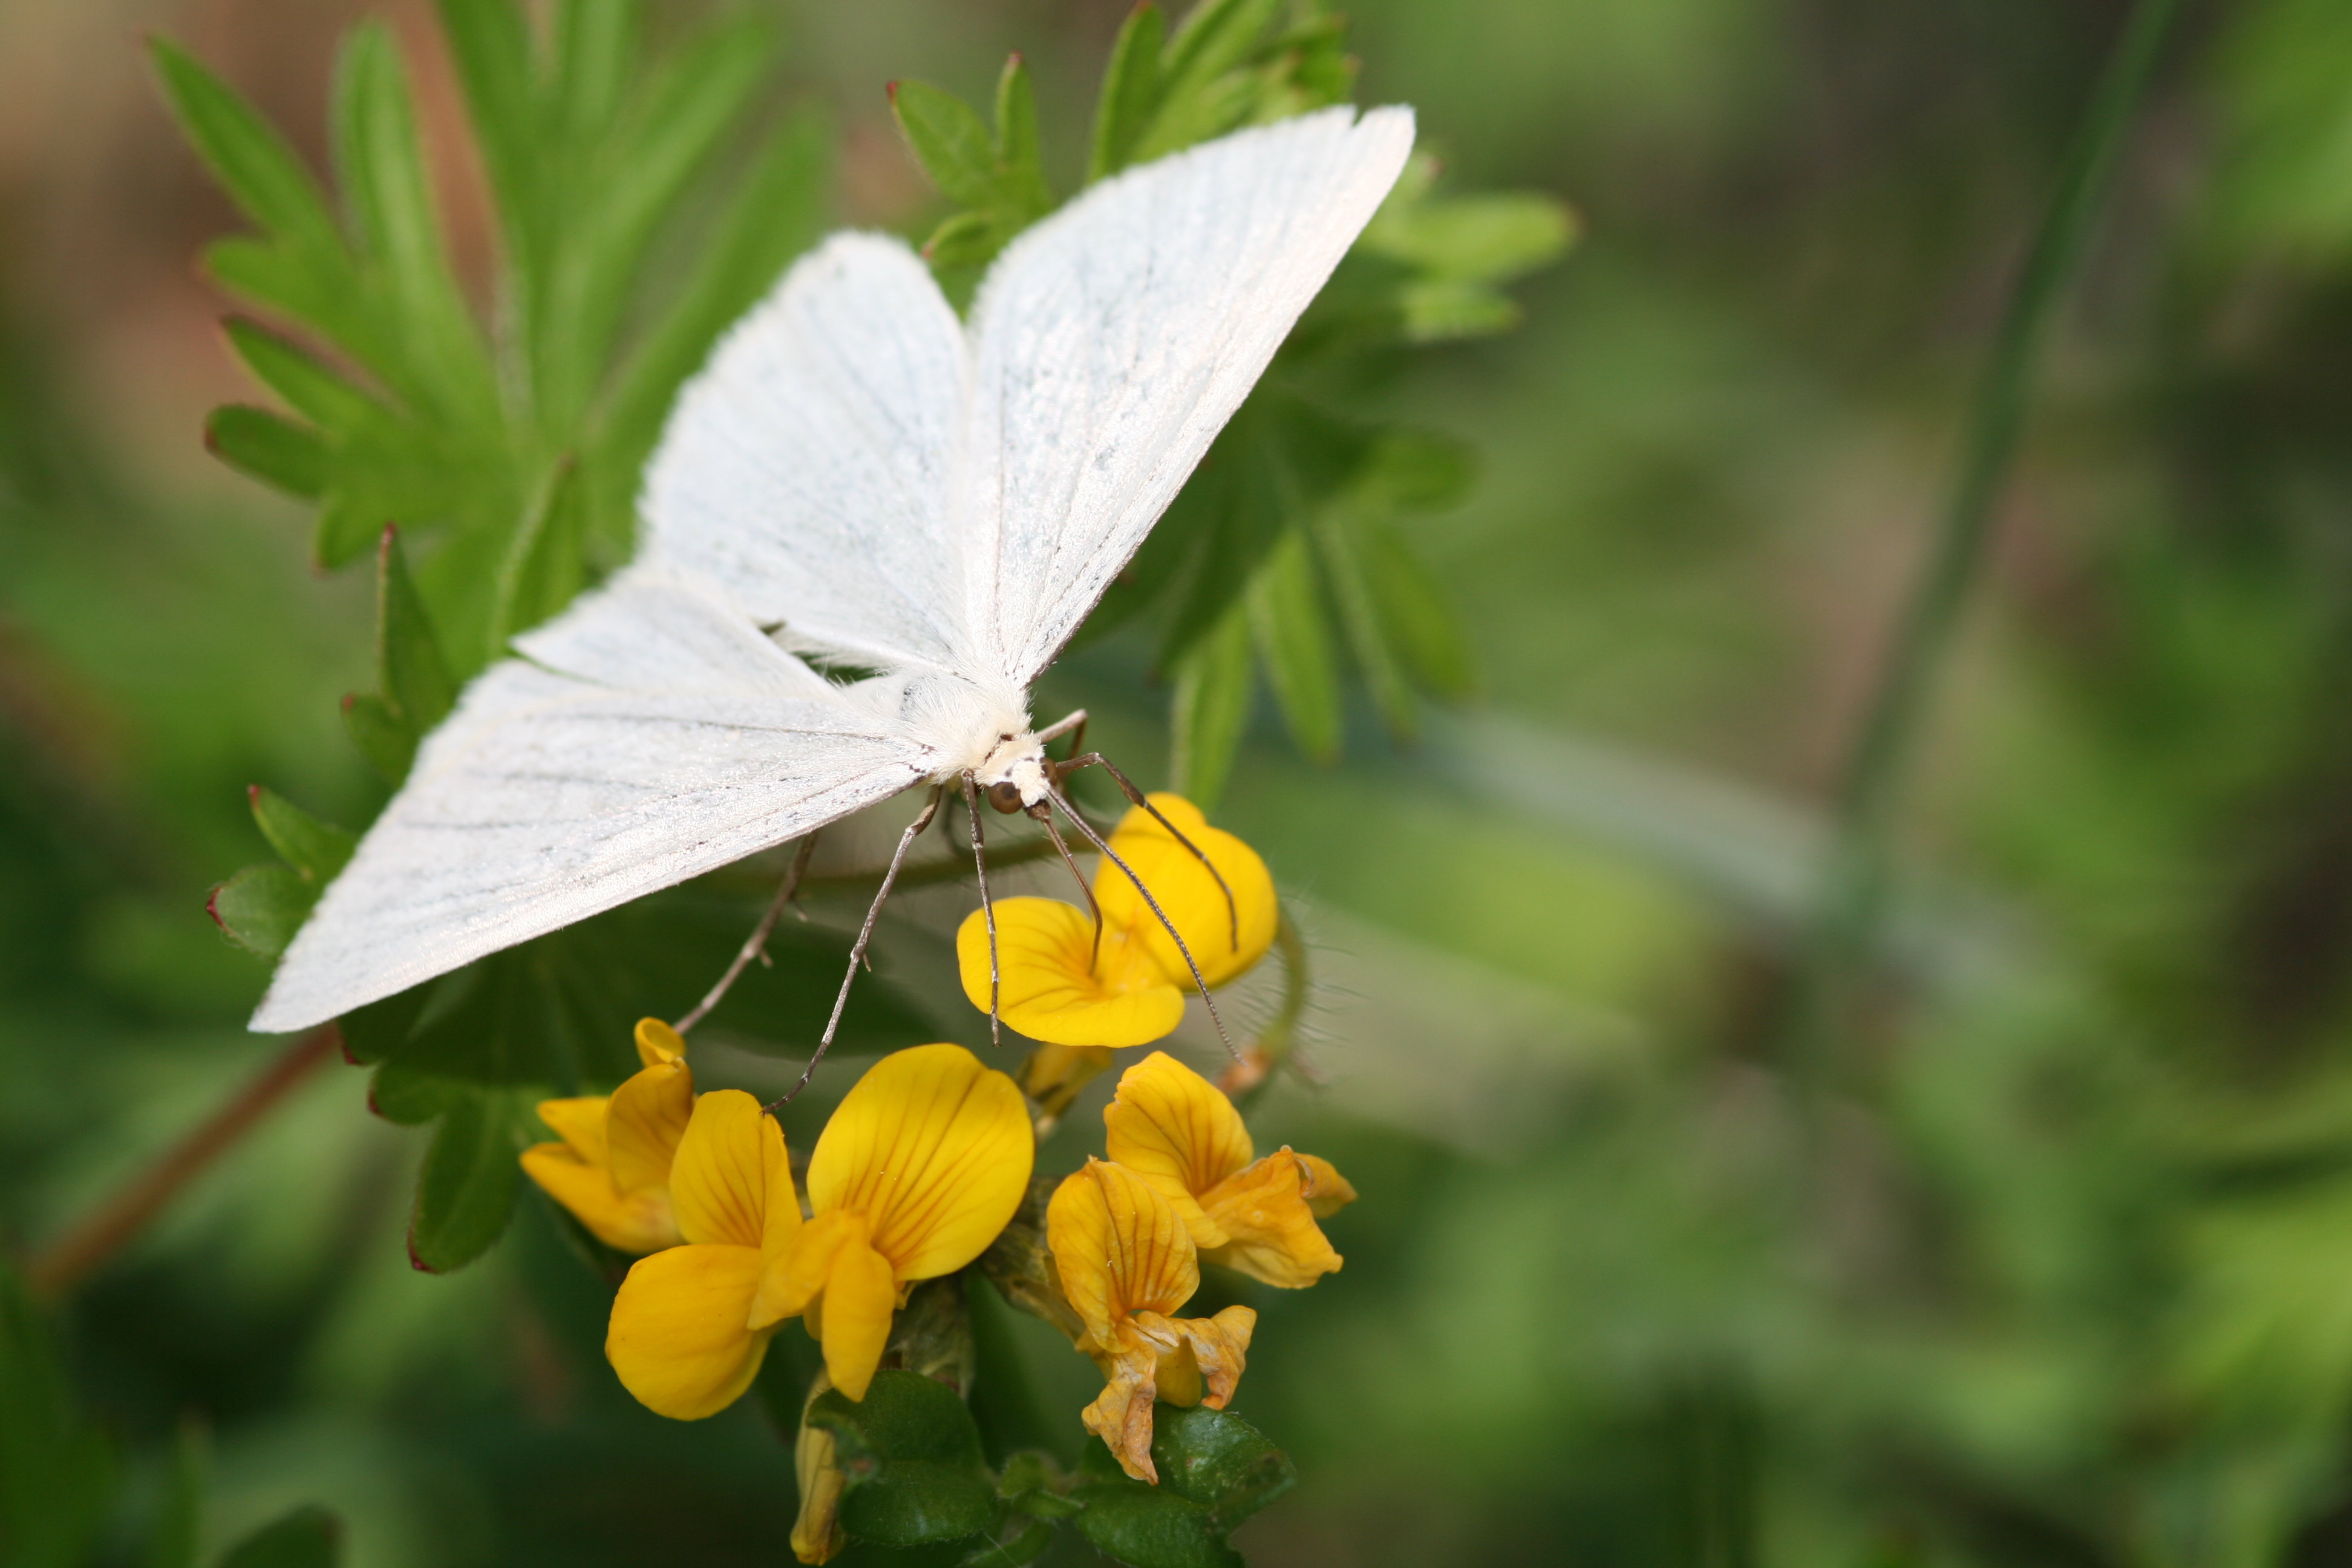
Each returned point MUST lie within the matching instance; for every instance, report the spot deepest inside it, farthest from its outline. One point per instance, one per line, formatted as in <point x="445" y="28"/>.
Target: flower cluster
<point x="928" y="1159"/>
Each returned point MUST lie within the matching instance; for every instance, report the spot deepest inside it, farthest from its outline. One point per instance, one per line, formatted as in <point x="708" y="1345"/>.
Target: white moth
<point x="855" y="476"/>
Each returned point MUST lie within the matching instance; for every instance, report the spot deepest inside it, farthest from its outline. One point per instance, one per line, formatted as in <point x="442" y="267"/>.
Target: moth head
<point x="1016" y="776"/>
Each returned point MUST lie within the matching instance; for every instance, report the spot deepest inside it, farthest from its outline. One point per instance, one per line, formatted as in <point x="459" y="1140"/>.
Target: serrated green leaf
<point x="1131" y="92"/>
<point x="383" y="736"/>
<point x="308" y="386"/>
<point x="1214" y="680"/>
<point x="1480" y="238"/>
<point x="309" y="1537"/>
<point x="489" y="44"/>
<point x="1415" y="612"/>
<point x="1293" y="639"/>
<point x="411" y="671"/>
<point x="317" y="850"/>
<point x="251" y="161"/>
<point x="56" y="1472"/>
<point x="277" y="451"/>
<point x="948" y="141"/>
<point x="262" y="907"/>
<point x="1023" y="195"/>
<point x="466" y="1191"/>
<point x="910" y="1459"/>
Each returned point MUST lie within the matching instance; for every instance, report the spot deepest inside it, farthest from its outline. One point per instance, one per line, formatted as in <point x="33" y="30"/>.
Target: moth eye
<point x="1004" y="795"/>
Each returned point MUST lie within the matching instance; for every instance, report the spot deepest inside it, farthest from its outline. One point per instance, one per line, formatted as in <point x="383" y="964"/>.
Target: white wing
<point x="657" y="735"/>
<point x="1116" y="338"/>
<point x="809" y="468"/>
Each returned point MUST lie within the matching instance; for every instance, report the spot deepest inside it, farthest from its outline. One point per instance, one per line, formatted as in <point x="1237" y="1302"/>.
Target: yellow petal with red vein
<point x="1177" y="1130"/>
<point x="934" y="1150"/>
<point x="677" y="1337"/>
<point x="718" y="1182"/>
<point x="1120" y="1248"/>
<point x="1053" y="986"/>
<point x="1188" y="894"/>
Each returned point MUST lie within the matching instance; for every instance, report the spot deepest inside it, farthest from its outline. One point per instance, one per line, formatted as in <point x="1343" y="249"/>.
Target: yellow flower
<point x="612" y="1169"/>
<point x="689" y="1327"/>
<point x="923" y="1162"/>
<point x="1126" y="1262"/>
<point x="1173" y="1128"/>
<point x="1055" y="985"/>
<point x="817" y="1535"/>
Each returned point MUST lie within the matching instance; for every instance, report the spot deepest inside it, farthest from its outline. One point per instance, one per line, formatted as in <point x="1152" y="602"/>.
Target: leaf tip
<point x="415" y="1261"/>
<point x="212" y="906"/>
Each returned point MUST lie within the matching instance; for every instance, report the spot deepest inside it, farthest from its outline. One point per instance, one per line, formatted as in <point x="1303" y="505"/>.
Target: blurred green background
<point x="2054" y="1267"/>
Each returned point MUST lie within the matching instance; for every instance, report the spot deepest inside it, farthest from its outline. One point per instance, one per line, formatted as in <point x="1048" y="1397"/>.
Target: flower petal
<point x="1269" y="1223"/>
<point x="720" y="1180"/>
<point x="640" y="1221"/>
<point x="1184" y="1361"/>
<point x="1328" y="1192"/>
<point x="794" y="1276"/>
<point x="1052" y="1075"/>
<point x="1177" y="1130"/>
<point x="648" y="1116"/>
<point x="1120" y="1248"/>
<point x="1052" y="987"/>
<point x="678" y="1339"/>
<point x="854" y="1312"/>
<point x="658" y="1043"/>
<point x="1188" y="894"/>
<point x="817" y="1534"/>
<point x="935" y="1150"/>
<point x="580" y="1123"/>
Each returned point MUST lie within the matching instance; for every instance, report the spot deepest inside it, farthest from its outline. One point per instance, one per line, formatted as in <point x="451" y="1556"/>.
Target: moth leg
<point x="865" y="935"/>
<point x="987" y="909"/>
<point x="1080" y="822"/>
<point x="1137" y="797"/>
<point x="1044" y="816"/>
<point x="1074" y="720"/>
<point x="756" y="944"/>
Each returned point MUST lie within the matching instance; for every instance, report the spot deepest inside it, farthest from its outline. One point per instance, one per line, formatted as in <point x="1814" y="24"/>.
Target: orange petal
<point x="1175" y="1128"/>
<point x="720" y="1180"/>
<point x="1120" y="1248"/>
<point x="1269" y="1223"/>
<point x="1188" y="894"/>
<point x="1053" y="986"/>
<point x="639" y="1222"/>
<point x="935" y="1150"/>
<point x="677" y="1337"/>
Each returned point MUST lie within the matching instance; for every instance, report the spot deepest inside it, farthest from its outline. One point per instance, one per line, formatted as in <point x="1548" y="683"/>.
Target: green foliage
<point x="517" y="449"/>
<point x="2287" y="127"/>
<point x="261" y="907"/>
<point x="911" y="1459"/>
<point x="309" y="1537"/>
<point x="1215" y="1471"/>
<point x="56" y="1472"/>
<point x="1285" y="540"/>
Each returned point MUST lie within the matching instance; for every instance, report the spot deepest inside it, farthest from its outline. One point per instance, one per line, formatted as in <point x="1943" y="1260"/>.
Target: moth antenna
<point x="756" y="944"/>
<point x="857" y="952"/>
<point x="1166" y="924"/>
<point x="987" y="909"/>
<point x="1137" y="797"/>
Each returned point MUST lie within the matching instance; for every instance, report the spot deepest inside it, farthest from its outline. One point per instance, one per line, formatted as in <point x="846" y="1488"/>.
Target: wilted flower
<point x="1126" y="1262"/>
<point x="612" y="1169"/>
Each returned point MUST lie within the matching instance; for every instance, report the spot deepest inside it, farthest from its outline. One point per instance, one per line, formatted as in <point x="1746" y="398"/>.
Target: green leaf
<point x="489" y="44"/>
<point x="910" y="1459"/>
<point x="1293" y="639"/>
<point x="967" y="239"/>
<point x="309" y="1537"/>
<point x="310" y="387"/>
<point x="1213" y="683"/>
<point x="262" y="907"/>
<point x="467" y="1190"/>
<point x="317" y="850"/>
<point x="1359" y="617"/>
<point x="412" y="674"/>
<point x="1445" y="310"/>
<point x="1131" y="92"/>
<point x="381" y="735"/>
<point x="56" y="1472"/>
<point x="1033" y="1542"/>
<point x="1202" y="93"/>
<point x="948" y="139"/>
<point x="250" y="160"/>
<point x="1145" y="1527"/>
<point x="1416" y="471"/>
<point x="1487" y="238"/>
<point x="1414" y="611"/>
<point x="543" y="567"/>
<point x="178" y="1520"/>
<point x="1023" y="194"/>
<point x="275" y="450"/>
<point x="1215" y="1471"/>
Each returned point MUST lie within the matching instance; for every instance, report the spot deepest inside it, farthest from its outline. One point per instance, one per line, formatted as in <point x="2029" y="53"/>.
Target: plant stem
<point x="1855" y="884"/>
<point x="97" y="1238"/>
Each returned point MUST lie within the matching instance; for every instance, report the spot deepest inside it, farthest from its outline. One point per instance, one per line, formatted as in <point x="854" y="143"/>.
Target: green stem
<point x="1856" y="881"/>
